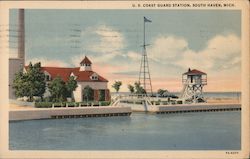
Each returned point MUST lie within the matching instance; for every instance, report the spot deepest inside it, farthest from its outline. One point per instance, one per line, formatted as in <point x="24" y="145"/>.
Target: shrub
<point x="43" y="104"/>
<point x="60" y="104"/>
<point x="165" y="102"/>
<point x="84" y="103"/>
<point x="46" y="99"/>
<point x="138" y="102"/>
<point x="130" y="102"/>
<point x="157" y="102"/>
<point x="179" y="102"/>
<point x="95" y="103"/>
<point x="104" y="103"/>
<point x="72" y="104"/>
<point x="37" y="99"/>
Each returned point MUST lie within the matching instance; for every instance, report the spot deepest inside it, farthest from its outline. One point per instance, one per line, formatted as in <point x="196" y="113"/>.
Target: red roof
<point x="64" y="73"/>
<point x="194" y="72"/>
<point x="86" y="61"/>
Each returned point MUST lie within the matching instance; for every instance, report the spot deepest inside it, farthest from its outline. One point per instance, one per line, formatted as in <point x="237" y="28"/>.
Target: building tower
<point x="144" y="75"/>
<point x="17" y="63"/>
<point x="193" y="83"/>
<point x="21" y="33"/>
<point x="85" y="64"/>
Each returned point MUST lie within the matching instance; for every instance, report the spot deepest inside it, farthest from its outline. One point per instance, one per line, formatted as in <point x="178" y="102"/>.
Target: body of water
<point x="140" y="131"/>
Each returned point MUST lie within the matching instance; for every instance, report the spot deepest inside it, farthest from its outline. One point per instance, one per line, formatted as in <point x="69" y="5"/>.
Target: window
<point x="47" y="77"/>
<point x="94" y="77"/>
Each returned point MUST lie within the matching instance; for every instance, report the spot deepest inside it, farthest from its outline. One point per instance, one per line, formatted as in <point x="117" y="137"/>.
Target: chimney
<point x="21" y="33"/>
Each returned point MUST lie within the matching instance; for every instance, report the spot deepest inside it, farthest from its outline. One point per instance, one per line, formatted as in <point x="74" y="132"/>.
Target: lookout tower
<point x="85" y="64"/>
<point x="193" y="83"/>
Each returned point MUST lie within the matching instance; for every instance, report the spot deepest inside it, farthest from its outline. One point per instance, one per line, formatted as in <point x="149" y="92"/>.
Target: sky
<point x="207" y="40"/>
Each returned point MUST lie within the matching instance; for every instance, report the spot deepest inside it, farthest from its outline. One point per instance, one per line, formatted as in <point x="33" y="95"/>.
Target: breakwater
<point x="183" y="108"/>
<point x="124" y="109"/>
<point x="74" y="112"/>
<point x="198" y="108"/>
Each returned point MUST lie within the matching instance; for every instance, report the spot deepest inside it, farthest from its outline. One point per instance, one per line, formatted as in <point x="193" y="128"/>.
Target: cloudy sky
<point x="209" y="41"/>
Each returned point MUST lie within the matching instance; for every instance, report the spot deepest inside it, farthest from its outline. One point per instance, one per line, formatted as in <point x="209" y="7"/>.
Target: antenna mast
<point x="144" y="75"/>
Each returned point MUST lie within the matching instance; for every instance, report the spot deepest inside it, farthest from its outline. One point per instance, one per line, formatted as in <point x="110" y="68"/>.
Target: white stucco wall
<point x="85" y="68"/>
<point x="94" y="85"/>
<point x="77" y="94"/>
<point x="46" y="93"/>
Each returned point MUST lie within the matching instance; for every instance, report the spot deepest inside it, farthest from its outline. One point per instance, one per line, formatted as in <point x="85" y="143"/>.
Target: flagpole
<point x="144" y="54"/>
<point x="144" y="32"/>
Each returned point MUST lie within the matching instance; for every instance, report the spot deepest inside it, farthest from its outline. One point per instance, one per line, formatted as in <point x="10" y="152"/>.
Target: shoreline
<point x="75" y="112"/>
<point x="14" y="106"/>
<point x="20" y="112"/>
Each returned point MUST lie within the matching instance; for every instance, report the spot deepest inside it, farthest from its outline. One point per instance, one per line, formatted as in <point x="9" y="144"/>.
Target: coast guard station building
<point x="84" y="75"/>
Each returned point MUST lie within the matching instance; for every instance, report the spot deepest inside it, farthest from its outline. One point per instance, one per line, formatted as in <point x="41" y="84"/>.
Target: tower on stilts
<point x="193" y="83"/>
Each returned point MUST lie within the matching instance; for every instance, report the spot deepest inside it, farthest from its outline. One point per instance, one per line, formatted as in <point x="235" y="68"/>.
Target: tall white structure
<point x="144" y="75"/>
<point x="193" y="83"/>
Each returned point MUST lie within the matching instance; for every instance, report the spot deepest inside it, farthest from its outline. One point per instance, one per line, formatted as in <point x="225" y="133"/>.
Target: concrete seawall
<point x="123" y="109"/>
<point x="79" y="112"/>
<point x="198" y="108"/>
<point x="184" y="107"/>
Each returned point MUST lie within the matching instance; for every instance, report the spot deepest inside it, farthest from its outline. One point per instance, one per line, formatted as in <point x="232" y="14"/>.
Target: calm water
<point x="186" y="131"/>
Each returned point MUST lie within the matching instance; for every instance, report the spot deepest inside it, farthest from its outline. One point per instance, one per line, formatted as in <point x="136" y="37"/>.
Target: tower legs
<point x="193" y="93"/>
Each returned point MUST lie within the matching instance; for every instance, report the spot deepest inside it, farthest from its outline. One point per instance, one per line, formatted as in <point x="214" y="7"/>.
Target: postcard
<point x="124" y="79"/>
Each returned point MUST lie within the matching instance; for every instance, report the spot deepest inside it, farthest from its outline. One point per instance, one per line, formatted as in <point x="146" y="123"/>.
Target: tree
<point x="88" y="93"/>
<point x="30" y="83"/>
<point x="71" y="85"/>
<point x="19" y="84"/>
<point x="117" y="85"/>
<point x="131" y="88"/>
<point x="139" y="89"/>
<point x="162" y="92"/>
<point x="57" y="90"/>
<point x="39" y="80"/>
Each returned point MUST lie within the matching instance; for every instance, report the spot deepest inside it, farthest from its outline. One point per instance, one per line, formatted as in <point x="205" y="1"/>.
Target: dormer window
<point x="94" y="76"/>
<point x="73" y="75"/>
<point x="47" y="76"/>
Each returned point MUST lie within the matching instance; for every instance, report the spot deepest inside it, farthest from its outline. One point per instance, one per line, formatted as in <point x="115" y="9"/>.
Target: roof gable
<point x="85" y="61"/>
<point x="65" y="73"/>
<point x="194" y="72"/>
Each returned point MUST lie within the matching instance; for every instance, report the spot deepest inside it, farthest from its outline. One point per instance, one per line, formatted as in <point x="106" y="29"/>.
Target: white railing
<point x="132" y="98"/>
<point x="194" y="81"/>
